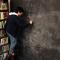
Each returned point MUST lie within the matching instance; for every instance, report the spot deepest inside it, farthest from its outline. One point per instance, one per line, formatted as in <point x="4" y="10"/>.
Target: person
<point x="14" y="27"/>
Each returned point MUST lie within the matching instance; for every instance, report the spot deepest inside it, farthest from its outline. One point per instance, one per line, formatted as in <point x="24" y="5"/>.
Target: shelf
<point x="4" y="10"/>
<point x="1" y="28"/>
<point x="3" y="37"/>
<point x="3" y="14"/>
<point x="4" y="52"/>
<point x="4" y="44"/>
<point x="2" y="19"/>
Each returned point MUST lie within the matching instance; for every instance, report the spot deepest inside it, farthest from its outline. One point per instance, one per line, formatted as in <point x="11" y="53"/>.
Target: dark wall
<point x="43" y="42"/>
<point x="39" y="5"/>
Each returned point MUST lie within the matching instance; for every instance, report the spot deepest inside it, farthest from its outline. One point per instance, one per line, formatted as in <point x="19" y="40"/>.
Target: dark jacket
<point x="15" y="25"/>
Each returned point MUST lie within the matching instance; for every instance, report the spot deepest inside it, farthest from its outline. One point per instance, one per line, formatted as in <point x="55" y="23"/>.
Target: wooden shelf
<point x="3" y="37"/>
<point x="1" y="28"/>
<point x="2" y="20"/>
<point x="4" y="44"/>
<point x="4" y="10"/>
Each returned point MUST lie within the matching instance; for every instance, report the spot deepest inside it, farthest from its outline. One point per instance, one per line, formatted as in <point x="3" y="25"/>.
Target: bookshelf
<point x="4" y="47"/>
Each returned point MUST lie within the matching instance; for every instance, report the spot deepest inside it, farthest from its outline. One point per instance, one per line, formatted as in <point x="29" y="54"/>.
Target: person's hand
<point x="30" y="22"/>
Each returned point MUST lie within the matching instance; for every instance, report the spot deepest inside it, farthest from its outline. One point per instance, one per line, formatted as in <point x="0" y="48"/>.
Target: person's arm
<point x="24" y="22"/>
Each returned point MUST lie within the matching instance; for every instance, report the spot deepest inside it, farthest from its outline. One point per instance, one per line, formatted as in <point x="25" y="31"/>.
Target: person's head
<point x="19" y="11"/>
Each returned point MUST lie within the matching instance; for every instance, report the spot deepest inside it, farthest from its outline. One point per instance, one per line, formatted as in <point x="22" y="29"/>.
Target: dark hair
<point x="19" y="9"/>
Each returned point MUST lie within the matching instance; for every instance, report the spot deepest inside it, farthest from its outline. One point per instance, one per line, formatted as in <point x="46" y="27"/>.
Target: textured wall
<point x="43" y="42"/>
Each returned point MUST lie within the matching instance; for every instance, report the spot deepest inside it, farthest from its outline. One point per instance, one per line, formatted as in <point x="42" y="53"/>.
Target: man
<point x="14" y="26"/>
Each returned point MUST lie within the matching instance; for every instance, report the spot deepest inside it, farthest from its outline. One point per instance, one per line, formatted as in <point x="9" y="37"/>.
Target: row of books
<point x="3" y="6"/>
<point x="3" y="15"/>
<point x="4" y="47"/>
<point x="3" y="10"/>
<point x="2" y="24"/>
